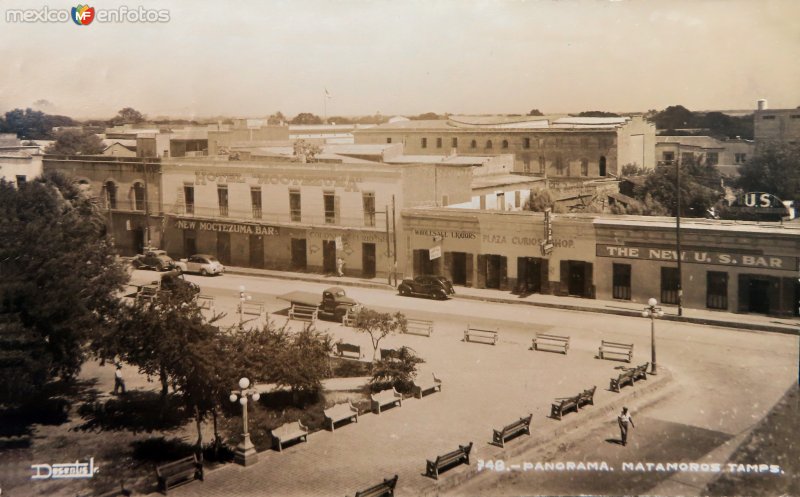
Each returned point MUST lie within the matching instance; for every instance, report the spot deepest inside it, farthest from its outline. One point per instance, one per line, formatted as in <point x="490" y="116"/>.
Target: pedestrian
<point x="339" y="267"/>
<point x="624" y="419"/>
<point x="119" y="381"/>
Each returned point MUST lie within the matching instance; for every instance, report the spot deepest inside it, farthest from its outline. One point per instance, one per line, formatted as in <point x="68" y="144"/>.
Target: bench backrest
<point x="348" y="347"/>
<point x="616" y="345"/>
<point x="288" y="429"/>
<point x="388" y="394"/>
<point x="516" y="425"/>
<point x="178" y="466"/>
<point x="340" y="410"/>
<point x="479" y="331"/>
<point x="379" y="489"/>
<point x="205" y="301"/>
<point x="252" y="308"/>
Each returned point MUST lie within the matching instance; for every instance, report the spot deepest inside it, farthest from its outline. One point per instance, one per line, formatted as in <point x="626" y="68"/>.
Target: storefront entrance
<point x="299" y="262"/>
<point x="224" y="248"/>
<point x="423" y="263"/>
<point x="189" y="243"/>
<point x="493" y="270"/>
<point x="368" y="260"/>
<point x="328" y="256"/>
<point x="256" y="251"/>
<point x="460" y="269"/>
<point x="530" y="273"/>
<point x="138" y="240"/>
<point x="761" y="294"/>
<point x="577" y="278"/>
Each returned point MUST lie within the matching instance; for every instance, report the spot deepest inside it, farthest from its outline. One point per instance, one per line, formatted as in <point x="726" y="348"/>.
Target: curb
<point x="311" y="279"/>
<point x="548" y="439"/>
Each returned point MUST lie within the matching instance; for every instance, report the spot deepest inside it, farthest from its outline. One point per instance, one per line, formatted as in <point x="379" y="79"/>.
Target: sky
<point x="253" y="58"/>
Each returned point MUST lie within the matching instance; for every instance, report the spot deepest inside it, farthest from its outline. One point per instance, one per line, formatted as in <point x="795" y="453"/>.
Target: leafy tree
<point x="379" y="325"/>
<point x="75" y="142"/>
<point x="535" y="112"/>
<point x="397" y="371"/>
<point x="60" y="278"/>
<point x="543" y="199"/>
<point x="633" y="169"/>
<point x="304" y="362"/>
<point x="305" y="151"/>
<point x="276" y="119"/>
<point x="306" y="118"/>
<point x="597" y="113"/>
<point x="427" y="116"/>
<point x="774" y="168"/>
<point x="700" y="187"/>
<point x="32" y="124"/>
<point x="128" y="115"/>
<point x="674" y="117"/>
<point x="340" y="120"/>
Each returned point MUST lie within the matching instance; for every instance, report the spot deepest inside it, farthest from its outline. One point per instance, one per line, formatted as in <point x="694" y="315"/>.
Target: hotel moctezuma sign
<point x="327" y="179"/>
<point x="777" y="262"/>
<point x="245" y="229"/>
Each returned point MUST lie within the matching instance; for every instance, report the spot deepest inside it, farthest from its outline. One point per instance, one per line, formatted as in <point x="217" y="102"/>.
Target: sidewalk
<point x="696" y="316"/>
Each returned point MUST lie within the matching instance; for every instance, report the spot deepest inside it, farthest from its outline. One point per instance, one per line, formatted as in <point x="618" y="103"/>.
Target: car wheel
<point x="403" y="291"/>
<point x="441" y="295"/>
<point x="159" y="267"/>
<point x="203" y="272"/>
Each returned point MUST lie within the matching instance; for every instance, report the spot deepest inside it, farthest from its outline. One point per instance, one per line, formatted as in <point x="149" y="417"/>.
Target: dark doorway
<point x="529" y="275"/>
<point x="459" y="268"/>
<point x="796" y="303"/>
<point x="256" y="251"/>
<point x="328" y="256"/>
<point x="669" y="285"/>
<point x="577" y="278"/>
<point x="224" y="248"/>
<point x="368" y="260"/>
<point x="189" y="243"/>
<point x="602" y="165"/>
<point x="138" y="240"/>
<point x="299" y="254"/>
<point x="496" y="276"/>
<point x="758" y="295"/>
<point x="423" y="264"/>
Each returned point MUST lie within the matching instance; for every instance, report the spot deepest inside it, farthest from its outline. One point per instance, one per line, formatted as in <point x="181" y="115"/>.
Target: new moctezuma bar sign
<point x="778" y="262"/>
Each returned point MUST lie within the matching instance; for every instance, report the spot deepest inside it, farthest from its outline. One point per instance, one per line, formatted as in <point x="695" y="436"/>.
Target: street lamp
<point x="243" y="297"/>
<point x="245" y="453"/>
<point x="652" y="311"/>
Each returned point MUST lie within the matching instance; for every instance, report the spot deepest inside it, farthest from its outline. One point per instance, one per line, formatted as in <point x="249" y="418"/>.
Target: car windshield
<point x="212" y="259"/>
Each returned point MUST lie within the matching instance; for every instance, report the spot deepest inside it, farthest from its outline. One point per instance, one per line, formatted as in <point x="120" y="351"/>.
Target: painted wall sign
<point x="778" y="262"/>
<point x="458" y="235"/>
<point x="246" y="229"/>
<point x="526" y="241"/>
<point x="322" y="178"/>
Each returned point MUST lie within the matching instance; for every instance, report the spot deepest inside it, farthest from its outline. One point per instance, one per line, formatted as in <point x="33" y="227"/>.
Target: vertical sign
<point x="547" y="243"/>
<point x="435" y="252"/>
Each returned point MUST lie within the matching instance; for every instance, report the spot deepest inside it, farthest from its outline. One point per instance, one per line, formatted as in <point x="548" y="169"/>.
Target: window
<point x="111" y="194"/>
<point x="687" y="157"/>
<point x="526" y="165"/>
<point x="668" y="156"/>
<point x="517" y="199"/>
<point x="369" y="208"/>
<point x="488" y="143"/>
<point x="222" y="196"/>
<point x="740" y="158"/>
<point x="255" y="199"/>
<point x="389" y="140"/>
<point x="21" y="180"/>
<point x="438" y="143"/>
<point x="454" y="142"/>
<point x="712" y="158"/>
<point x="138" y="196"/>
<point x="717" y="290"/>
<point x="294" y="205"/>
<point x="424" y="143"/>
<point x="542" y="163"/>
<point x="584" y="167"/>
<point x="504" y="144"/>
<point x="621" y="282"/>
<point x="669" y="285"/>
<point x="559" y="165"/>
<point x="188" y="196"/>
<point x="473" y="144"/>
<point x="329" y="200"/>
<point x="767" y="118"/>
<point x="795" y="116"/>
<point x="526" y="143"/>
<point x="501" y="201"/>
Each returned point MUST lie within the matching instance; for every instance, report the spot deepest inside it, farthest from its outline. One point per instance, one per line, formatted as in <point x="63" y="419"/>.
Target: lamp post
<point x="245" y="453"/>
<point x="652" y="311"/>
<point x="243" y="297"/>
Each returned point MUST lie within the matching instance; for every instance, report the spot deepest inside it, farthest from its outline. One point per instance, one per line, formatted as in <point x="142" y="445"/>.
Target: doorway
<point x="577" y="278"/>
<point x="459" y="268"/>
<point x="138" y="240"/>
<point x="299" y="262"/>
<point x="224" y="248"/>
<point x="758" y="295"/>
<point x="189" y="243"/>
<point x="368" y="260"/>
<point x="328" y="256"/>
<point x="423" y="264"/>
<point x="256" y="251"/>
<point x="529" y="275"/>
<point x="495" y="271"/>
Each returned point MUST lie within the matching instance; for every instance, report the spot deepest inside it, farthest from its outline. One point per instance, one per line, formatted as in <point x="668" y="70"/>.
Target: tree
<point x="276" y="119"/>
<point x="60" y="278"/>
<point x="128" y="115"/>
<point x="775" y="168"/>
<point x="397" y="371"/>
<point x="31" y="124"/>
<point x="75" y="142"/>
<point x="305" y="151"/>
<point x="379" y="325"/>
<point x="543" y="199"/>
<point x="597" y="113"/>
<point x="306" y="118"/>
<point x="674" y="117"/>
<point x="427" y="116"/>
<point x="700" y="187"/>
<point x="535" y="112"/>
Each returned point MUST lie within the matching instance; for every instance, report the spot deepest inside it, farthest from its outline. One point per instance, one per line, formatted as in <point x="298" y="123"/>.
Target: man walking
<point x="119" y="382"/>
<point x="624" y="419"/>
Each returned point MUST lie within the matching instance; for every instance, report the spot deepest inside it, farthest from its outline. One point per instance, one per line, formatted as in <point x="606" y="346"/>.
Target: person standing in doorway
<point x="624" y="419"/>
<point x="119" y="381"/>
<point x="339" y="267"/>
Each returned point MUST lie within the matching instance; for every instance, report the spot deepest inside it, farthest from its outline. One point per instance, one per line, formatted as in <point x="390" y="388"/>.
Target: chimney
<point x="762" y="104"/>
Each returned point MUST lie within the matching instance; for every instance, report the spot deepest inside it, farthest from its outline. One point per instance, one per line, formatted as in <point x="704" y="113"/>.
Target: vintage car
<point x="203" y="264"/>
<point x="153" y="259"/>
<point x="437" y="287"/>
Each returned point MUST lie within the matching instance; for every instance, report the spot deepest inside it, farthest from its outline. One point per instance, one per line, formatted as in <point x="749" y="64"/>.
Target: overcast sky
<point x="252" y="58"/>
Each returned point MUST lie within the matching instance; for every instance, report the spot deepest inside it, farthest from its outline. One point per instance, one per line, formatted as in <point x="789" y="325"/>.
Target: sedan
<point x="437" y="287"/>
<point x="205" y="265"/>
<point x="153" y="259"/>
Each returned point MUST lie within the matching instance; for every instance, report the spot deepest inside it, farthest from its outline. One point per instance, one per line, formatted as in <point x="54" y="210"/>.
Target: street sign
<point x="435" y="252"/>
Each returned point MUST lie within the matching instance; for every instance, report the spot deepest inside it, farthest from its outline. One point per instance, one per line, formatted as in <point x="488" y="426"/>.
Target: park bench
<point x="288" y="432"/>
<point x="563" y="406"/>
<point x="629" y="376"/>
<point x="616" y="348"/>
<point x="458" y="456"/>
<point x="385" y="398"/>
<point x="419" y="327"/>
<point x="348" y="350"/>
<point x="341" y="412"/>
<point x="587" y="397"/>
<point x="302" y="312"/>
<point x="349" y="318"/>
<point x="421" y="386"/>
<point x="548" y="340"/>
<point x="487" y="336"/>
<point x="523" y="425"/>
<point x="383" y="489"/>
<point x="178" y="472"/>
<point x="147" y="292"/>
<point x="205" y="302"/>
<point x="251" y="308"/>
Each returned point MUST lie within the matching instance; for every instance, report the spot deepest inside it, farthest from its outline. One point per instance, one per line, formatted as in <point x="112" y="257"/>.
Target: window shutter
<point x="336" y="209"/>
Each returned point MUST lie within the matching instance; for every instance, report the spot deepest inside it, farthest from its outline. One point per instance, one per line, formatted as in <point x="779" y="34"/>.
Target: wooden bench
<point x="421" y="386"/>
<point x="458" y="456"/>
<point x="587" y="397"/>
<point x="301" y="312"/>
<point x="385" y="398"/>
<point x="288" y="432"/>
<point x="616" y="348"/>
<point x="629" y="376"/>
<point x="147" y="292"/>
<point x="419" y="327"/>
<point x="548" y="340"/>
<point x="178" y="472"/>
<point x="348" y="350"/>
<point x="563" y="406"/>
<point x="523" y="425"/>
<point x="341" y="412"/>
<point x="349" y="318"/>
<point x="487" y="336"/>
<point x="205" y="302"/>
<point x="385" y="489"/>
<point x="251" y="308"/>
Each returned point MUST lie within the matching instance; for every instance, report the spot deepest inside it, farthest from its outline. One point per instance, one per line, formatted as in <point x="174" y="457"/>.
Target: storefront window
<point x="622" y="282"/>
<point x="669" y="285"/>
<point x="716" y="290"/>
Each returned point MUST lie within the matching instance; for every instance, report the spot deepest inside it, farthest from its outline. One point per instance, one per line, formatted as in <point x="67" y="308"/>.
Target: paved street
<point x="719" y="383"/>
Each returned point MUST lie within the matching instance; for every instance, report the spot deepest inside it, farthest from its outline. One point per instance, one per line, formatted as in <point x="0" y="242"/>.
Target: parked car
<point x="168" y="282"/>
<point x="437" y="287"/>
<point x="205" y="265"/>
<point x="153" y="259"/>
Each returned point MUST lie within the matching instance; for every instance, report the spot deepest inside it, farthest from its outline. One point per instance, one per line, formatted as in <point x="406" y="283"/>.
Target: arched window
<point x="111" y="194"/>
<point x="138" y="196"/>
<point x="505" y="144"/>
<point x="473" y="144"/>
<point x="488" y="143"/>
<point x="584" y="167"/>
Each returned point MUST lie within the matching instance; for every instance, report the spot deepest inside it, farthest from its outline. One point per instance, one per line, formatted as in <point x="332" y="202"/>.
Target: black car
<point x="437" y="287"/>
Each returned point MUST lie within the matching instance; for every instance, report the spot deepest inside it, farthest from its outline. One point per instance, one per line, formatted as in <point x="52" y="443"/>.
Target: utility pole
<point x="394" y="238"/>
<point x="388" y="247"/>
<point x="678" y="237"/>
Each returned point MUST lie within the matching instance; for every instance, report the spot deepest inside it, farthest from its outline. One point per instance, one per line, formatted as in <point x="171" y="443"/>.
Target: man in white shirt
<point x="624" y="419"/>
<point x="119" y="382"/>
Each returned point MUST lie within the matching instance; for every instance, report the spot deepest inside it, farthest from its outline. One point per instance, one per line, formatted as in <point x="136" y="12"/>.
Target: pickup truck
<point x="334" y="303"/>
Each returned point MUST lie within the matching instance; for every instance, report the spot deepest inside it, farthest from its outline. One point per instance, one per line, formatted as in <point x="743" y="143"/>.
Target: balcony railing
<point x="231" y="214"/>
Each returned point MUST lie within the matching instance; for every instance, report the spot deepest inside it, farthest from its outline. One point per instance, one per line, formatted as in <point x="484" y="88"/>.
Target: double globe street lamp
<point x="652" y="311"/>
<point x="245" y="453"/>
